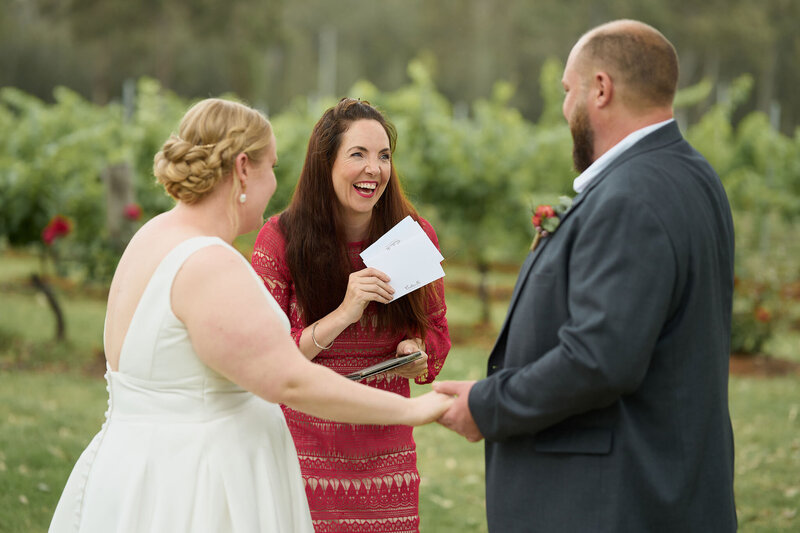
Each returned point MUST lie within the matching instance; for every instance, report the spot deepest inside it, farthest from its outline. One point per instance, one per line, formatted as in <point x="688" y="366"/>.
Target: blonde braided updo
<point x="210" y="136"/>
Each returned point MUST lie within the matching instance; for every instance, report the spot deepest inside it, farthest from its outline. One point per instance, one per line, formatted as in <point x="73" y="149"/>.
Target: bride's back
<point x="138" y="263"/>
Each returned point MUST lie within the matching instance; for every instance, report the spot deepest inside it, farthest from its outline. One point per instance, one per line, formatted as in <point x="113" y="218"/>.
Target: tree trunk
<point x="43" y="286"/>
<point x="119" y="193"/>
<point x="483" y="292"/>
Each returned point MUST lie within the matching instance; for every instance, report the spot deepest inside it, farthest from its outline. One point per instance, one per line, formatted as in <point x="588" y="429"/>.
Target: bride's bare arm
<point x="235" y="332"/>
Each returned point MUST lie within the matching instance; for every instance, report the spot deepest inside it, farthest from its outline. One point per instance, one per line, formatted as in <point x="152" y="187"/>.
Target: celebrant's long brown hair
<point x="316" y="247"/>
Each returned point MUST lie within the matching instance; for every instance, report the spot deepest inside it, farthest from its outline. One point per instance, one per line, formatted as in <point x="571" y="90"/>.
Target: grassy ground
<point x="46" y="420"/>
<point x="52" y="401"/>
<point x="766" y="424"/>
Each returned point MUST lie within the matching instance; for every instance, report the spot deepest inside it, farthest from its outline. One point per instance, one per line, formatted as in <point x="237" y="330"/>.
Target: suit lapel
<point x="521" y="279"/>
<point x="655" y="140"/>
<point x="524" y="271"/>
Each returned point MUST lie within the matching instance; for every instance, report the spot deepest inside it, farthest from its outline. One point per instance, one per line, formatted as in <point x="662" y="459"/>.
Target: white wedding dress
<point x="182" y="448"/>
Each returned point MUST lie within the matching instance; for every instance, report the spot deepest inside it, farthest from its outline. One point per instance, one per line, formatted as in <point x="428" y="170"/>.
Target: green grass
<point x="50" y="409"/>
<point x="784" y="344"/>
<point x="47" y="419"/>
<point x="465" y="309"/>
<point x="766" y="423"/>
<point x="452" y="469"/>
<point x="27" y="332"/>
<point x="14" y="266"/>
<point x="451" y="490"/>
<point x="45" y="422"/>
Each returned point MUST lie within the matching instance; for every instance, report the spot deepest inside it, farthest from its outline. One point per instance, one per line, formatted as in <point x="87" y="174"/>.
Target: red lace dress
<point x="358" y="478"/>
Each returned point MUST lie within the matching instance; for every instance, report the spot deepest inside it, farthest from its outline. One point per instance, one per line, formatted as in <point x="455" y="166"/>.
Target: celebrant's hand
<point x="415" y="368"/>
<point x="365" y="286"/>
<point x="459" y="418"/>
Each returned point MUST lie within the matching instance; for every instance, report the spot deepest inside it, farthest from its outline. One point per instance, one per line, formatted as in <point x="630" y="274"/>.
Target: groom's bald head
<point x="640" y="60"/>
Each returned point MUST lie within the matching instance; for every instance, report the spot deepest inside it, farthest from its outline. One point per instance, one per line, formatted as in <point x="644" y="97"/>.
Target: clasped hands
<point x="458" y="417"/>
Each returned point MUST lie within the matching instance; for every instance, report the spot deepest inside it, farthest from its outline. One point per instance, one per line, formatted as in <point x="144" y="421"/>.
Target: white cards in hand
<point x="407" y="256"/>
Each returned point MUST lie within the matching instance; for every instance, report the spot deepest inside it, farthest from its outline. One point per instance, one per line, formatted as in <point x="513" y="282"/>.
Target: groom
<point x="606" y="404"/>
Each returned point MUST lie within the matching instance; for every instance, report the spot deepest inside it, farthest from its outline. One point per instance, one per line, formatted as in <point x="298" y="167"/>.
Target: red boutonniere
<point x="546" y="218"/>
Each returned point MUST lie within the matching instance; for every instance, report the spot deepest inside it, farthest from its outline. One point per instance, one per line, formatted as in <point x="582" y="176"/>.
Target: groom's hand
<point x="458" y="417"/>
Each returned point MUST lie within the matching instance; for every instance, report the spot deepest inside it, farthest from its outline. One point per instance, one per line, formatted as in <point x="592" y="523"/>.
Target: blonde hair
<point x="210" y="136"/>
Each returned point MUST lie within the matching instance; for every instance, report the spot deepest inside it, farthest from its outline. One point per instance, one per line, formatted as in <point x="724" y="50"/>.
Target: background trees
<point x="475" y="171"/>
<point x="271" y="51"/>
<point x="91" y="88"/>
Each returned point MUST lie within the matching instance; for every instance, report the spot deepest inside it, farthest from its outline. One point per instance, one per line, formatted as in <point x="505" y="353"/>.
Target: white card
<point x="407" y="256"/>
<point x="402" y="230"/>
<point x="408" y="264"/>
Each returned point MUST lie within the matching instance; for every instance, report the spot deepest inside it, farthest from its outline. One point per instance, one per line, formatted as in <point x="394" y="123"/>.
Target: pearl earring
<point x="242" y="198"/>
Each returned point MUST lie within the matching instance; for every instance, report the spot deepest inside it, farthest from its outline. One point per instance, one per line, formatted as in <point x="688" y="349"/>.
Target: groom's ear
<point x="602" y="89"/>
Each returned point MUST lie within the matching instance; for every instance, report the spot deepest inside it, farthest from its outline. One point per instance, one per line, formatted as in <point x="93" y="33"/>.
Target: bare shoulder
<point x="141" y="258"/>
<point x="212" y="265"/>
<point x="223" y="305"/>
<point x="150" y="245"/>
<point x="212" y="278"/>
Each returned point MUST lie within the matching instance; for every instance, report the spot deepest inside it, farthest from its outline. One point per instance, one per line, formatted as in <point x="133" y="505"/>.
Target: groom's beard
<point x="582" y="139"/>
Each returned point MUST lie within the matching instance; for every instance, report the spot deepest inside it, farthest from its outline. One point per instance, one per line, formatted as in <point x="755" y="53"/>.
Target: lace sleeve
<point x="269" y="262"/>
<point x="437" y="341"/>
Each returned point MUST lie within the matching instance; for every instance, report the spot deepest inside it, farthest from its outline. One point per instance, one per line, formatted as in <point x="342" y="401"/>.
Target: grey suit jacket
<point x="606" y="404"/>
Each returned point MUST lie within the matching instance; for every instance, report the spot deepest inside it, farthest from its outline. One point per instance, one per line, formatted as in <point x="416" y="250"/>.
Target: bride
<point x="199" y="357"/>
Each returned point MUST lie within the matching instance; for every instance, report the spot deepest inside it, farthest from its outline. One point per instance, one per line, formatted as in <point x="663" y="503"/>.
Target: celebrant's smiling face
<point x="362" y="168"/>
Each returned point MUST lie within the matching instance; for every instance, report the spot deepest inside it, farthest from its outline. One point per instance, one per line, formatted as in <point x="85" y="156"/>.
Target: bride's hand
<point x="428" y="408"/>
<point x="365" y="286"/>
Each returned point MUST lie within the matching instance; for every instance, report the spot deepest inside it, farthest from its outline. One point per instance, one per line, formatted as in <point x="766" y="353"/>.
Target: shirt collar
<point x="600" y="164"/>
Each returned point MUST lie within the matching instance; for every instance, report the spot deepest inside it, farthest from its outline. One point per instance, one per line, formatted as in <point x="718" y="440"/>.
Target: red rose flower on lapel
<point x="547" y="218"/>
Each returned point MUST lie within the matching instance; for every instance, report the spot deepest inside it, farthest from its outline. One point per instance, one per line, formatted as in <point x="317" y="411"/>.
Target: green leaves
<point x="473" y="170"/>
<point x="54" y="156"/>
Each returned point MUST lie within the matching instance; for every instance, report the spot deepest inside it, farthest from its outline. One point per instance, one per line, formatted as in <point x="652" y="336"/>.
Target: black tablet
<point x="383" y="366"/>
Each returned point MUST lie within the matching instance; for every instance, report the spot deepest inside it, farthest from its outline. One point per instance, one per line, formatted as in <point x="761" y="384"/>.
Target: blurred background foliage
<point x="473" y="86"/>
<point x="270" y="51"/>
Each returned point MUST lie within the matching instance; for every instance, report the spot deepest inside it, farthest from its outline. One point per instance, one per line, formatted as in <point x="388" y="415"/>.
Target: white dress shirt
<point x="586" y="177"/>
